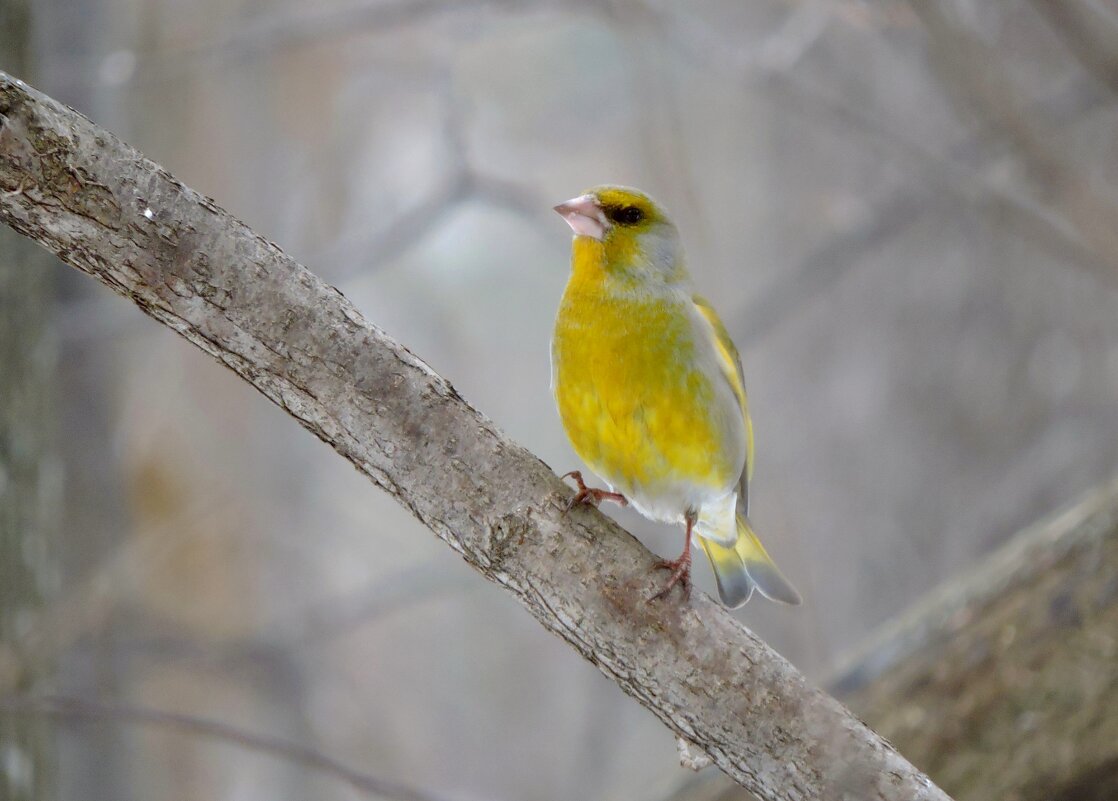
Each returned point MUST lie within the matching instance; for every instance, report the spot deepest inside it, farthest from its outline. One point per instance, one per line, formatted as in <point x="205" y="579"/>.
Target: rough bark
<point x="1004" y="683"/>
<point x="109" y="212"/>
<point x="27" y="750"/>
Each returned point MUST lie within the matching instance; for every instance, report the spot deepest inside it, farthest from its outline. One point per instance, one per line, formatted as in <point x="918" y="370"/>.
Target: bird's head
<point x="624" y="230"/>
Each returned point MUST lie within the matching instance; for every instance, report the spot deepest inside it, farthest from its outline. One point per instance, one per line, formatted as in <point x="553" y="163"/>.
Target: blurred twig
<point x="964" y="171"/>
<point x="193" y="267"/>
<point x="461" y="183"/>
<point x="277" y="34"/>
<point x="71" y="708"/>
<point x="1091" y="34"/>
<point x="977" y="82"/>
<point x="388" y="595"/>
<point x="399" y="233"/>
<point x="273" y="35"/>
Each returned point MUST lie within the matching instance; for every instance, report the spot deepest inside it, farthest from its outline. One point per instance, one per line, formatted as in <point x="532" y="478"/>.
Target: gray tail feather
<point x="735" y="586"/>
<point x="744" y="567"/>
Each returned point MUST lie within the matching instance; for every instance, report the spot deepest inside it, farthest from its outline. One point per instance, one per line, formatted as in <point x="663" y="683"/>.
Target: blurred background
<point x="907" y="215"/>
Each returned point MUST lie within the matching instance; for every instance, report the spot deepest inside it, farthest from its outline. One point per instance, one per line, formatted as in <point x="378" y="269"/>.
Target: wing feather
<point x="730" y="362"/>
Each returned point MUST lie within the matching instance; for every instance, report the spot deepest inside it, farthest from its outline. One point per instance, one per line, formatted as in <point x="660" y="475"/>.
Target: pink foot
<point x="589" y="496"/>
<point x="681" y="567"/>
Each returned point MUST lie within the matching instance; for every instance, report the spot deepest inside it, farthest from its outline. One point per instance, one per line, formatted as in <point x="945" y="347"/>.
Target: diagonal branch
<point x="111" y="213"/>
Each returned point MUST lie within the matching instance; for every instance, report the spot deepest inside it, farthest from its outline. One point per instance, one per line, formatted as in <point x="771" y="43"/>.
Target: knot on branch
<point x="505" y="532"/>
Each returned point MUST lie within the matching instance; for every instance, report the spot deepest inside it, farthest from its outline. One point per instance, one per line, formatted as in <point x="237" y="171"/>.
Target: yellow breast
<point x="635" y="402"/>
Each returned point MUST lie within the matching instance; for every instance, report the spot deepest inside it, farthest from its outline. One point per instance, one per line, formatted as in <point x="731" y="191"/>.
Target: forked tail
<point x="744" y="566"/>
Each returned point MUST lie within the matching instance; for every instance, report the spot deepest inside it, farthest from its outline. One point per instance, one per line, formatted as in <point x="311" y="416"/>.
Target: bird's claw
<point x="681" y="575"/>
<point x="589" y="496"/>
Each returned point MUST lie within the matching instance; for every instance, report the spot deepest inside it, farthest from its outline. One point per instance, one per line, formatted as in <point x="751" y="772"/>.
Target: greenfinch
<point x="650" y="391"/>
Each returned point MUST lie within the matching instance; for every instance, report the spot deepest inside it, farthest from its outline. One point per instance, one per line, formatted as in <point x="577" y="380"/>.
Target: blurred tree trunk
<point x="1004" y="683"/>
<point x="27" y="752"/>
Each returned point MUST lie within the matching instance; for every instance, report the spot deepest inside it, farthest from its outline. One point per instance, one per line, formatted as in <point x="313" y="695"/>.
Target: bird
<point x="650" y="391"/>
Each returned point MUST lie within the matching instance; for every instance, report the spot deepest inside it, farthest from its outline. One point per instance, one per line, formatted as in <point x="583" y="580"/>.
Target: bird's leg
<point x="590" y="496"/>
<point x="681" y="567"/>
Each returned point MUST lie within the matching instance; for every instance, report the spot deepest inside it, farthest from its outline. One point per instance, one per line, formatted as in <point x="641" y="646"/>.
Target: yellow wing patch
<point x="730" y="361"/>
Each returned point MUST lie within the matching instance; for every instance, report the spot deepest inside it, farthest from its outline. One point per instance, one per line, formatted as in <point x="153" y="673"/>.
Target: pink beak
<point x="584" y="215"/>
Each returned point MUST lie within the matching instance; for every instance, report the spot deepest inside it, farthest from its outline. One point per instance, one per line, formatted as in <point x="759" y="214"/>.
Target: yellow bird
<point x="650" y="390"/>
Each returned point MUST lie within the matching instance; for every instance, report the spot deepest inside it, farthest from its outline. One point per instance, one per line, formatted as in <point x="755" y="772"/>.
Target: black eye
<point x="628" y="215"/>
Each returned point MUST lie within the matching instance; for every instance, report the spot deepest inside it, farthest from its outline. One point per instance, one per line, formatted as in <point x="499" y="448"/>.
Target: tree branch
<point x="1004" y="682"/>
<point x="113" y="214"/>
